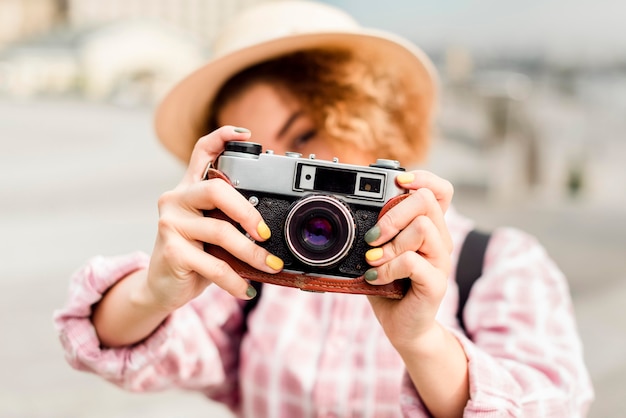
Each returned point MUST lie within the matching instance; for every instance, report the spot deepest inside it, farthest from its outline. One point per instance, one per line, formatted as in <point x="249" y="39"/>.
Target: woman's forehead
<point x="263" y="108"/>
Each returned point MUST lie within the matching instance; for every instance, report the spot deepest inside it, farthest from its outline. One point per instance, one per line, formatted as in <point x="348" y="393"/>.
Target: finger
<point x="227" y="236"/>
<point x="217" y="194"/>
<point x="218" y="272"/>
<point x="194" y="269"/>
<point x="424" y="276"/>
<point x="209" y="147"/>
<point x="436" y="215"/>
<point x="421" y="236"/>
<point x="214" y="194"/>
<point x="441" y="188"/>
<point x="420" y="203"/>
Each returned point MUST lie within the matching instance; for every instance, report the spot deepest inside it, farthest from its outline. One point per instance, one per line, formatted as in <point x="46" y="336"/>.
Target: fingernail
<point x="374" y="254"/>
<point x="251" y="292"/>
<point x="240" y="130"/>
<point x="373" y="234"/>
<point x="263" y="230"/>
<point x="371" y="275"/>
<point x="405" y="178"/>
<point x="274" y="262"/>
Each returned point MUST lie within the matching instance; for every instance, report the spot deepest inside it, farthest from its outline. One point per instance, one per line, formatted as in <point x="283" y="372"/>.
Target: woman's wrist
<point x="143" y="297"/>
<point x="428" y="344"/>
<point x="128" y="312"/>
<point x="437" y="366"/>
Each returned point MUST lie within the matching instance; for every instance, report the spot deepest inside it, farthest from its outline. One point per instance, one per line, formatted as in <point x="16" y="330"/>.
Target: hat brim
<point x="182" y="116"/>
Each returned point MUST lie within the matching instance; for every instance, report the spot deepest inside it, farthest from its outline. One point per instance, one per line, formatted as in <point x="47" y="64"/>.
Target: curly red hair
<point x="354" y="100"/>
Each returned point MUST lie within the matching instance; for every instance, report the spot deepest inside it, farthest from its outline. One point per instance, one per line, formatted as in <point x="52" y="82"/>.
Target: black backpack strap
<point x="470" y="267"/>
<point x="251" y="304"/>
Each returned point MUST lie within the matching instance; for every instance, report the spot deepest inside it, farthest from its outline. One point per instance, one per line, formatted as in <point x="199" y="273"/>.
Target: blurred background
<point x="531" y="131"/>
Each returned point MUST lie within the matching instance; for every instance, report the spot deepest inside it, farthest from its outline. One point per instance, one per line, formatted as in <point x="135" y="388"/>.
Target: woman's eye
<point x="301" y="140"/>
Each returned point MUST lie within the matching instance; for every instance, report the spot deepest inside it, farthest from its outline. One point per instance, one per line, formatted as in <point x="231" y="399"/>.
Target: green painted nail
<point x="371" y="275"/>
<point x="373" y="234"/>
<point x="251" y="292"/>
<point x="242" y="130"/>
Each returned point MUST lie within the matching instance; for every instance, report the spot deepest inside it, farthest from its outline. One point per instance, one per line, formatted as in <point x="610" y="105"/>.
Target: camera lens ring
<point x="319" y="230"/>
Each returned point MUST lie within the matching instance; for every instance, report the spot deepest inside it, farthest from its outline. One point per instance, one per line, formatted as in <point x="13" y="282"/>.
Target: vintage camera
<point x="318" y="211"/>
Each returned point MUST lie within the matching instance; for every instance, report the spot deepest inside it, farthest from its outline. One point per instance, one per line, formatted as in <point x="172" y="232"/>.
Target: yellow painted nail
<point x="374" y="254"/>
<point x="263" y="230"/>
<point x="274" y="262"/>
<point x="405" y="178"/>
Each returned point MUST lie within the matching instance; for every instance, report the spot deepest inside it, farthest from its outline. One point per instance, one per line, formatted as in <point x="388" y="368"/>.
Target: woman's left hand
<point x="412" y="240"/>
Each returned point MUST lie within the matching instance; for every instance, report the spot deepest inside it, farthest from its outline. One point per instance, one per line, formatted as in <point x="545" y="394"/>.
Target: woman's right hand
<point x="180" y="269"/>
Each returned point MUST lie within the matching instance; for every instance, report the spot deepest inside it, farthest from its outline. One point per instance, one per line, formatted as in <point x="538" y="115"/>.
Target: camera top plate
<point x="248" y="168"/>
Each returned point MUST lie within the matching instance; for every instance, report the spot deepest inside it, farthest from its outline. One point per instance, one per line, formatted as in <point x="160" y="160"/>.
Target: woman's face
<point x="279" y="123"/>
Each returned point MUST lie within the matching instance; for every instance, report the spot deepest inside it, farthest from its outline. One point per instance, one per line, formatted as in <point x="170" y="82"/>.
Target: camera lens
<point x="319" y="230"/>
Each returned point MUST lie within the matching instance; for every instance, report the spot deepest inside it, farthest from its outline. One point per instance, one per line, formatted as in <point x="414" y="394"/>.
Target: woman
<point x="303" y="77"/>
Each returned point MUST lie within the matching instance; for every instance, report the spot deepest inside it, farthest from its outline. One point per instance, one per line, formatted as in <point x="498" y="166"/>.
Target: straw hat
<point x="267" y="31"/>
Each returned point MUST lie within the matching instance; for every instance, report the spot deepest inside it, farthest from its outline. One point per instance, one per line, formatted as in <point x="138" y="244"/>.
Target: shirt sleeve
<point x="190" y="349"/>
<point x="524" y="353"/>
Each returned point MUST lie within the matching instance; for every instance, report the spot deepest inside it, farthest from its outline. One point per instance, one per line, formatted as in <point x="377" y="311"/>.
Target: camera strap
<point x="469" y="269"/>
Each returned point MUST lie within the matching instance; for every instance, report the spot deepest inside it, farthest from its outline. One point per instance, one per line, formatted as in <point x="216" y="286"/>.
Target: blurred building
<point x="20" y="19"/>
<point x="126" y="51"/>
<point x="202" y="18"/>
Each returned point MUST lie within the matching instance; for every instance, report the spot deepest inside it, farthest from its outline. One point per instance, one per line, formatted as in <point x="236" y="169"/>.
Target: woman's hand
<point x="412" y="240"/>
<point x="180" y="269"/>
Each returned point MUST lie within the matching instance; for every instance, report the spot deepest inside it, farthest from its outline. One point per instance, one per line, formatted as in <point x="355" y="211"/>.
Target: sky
<point x="570" y="29"/>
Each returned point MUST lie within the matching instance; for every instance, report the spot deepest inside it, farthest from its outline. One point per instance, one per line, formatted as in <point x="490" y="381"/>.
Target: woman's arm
<point x="412" y="240"/>
<point x="179" y="267"/>
<point x="127" y="312"/>
<point x="195" y="347"/>
<point x="438" y="369"/>
<point x="525" y="356"/>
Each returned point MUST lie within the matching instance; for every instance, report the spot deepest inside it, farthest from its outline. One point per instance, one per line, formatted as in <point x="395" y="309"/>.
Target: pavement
<point x="79" y="179"/>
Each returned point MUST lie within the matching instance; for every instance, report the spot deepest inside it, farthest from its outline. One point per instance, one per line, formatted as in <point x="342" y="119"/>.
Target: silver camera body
<point x="318" y="211"/>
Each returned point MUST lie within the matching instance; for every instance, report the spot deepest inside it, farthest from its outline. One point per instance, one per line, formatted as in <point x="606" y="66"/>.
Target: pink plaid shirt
<point x="324" y="354"/>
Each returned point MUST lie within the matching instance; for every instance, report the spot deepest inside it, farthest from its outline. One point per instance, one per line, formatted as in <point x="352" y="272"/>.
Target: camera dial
<point x="388" y="164"/>
<point x="243" y="147"/>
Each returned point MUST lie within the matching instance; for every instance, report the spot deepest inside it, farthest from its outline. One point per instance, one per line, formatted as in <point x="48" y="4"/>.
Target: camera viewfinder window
<point x="367" y="184"/>
<point x="335" y="181"/>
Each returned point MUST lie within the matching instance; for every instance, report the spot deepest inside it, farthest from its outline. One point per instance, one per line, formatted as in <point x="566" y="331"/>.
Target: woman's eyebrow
<point x="288" y="123"/>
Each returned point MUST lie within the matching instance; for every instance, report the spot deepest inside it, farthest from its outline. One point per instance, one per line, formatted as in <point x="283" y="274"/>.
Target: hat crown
<point x="278" y="19"/>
